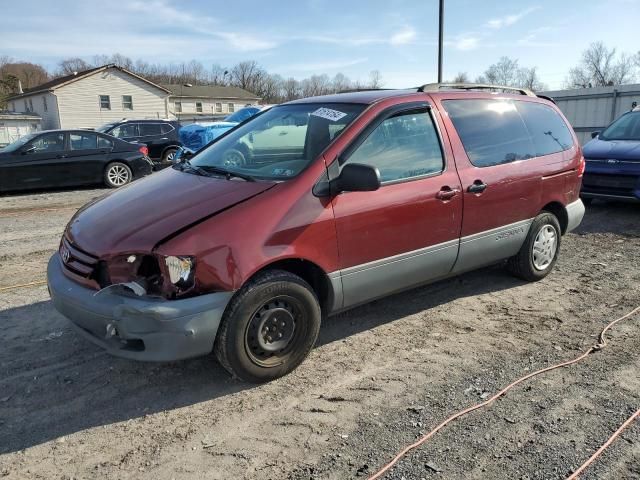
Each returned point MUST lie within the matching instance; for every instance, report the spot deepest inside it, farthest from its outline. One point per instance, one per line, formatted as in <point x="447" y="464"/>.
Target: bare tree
<point x="461" y="77"/>
<point x="375" y="79"/>
<point x="600" y="66"/>
<point x="245" y="74"/>
<point x="316" y="85"/>
<point x="291" y="89"/>
<point x="528" y="78"/>
<point x="504" y="72"/>
<point x="340" y="82"/>
<point x="71" y="65"/>
<point x="219" y="75"/>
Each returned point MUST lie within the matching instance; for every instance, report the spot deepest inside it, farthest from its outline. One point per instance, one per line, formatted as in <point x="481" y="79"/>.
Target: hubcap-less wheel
<point x="118" y="175"/>
<point x="544" y="247"/>
<point x="233" y="158"/>
<point x="271" y="334"/>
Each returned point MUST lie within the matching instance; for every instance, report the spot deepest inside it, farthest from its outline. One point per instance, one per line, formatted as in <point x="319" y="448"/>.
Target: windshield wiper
<point x="227" y="173"/>
<point x="186" y="165"/>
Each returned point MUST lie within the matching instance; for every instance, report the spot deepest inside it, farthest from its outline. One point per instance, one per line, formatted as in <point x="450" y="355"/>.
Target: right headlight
<point x="181" y="270"/>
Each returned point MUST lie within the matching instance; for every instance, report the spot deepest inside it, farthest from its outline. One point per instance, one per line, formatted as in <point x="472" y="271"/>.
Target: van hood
<point x="139" y="216"/>
<point x="616" y="149"/>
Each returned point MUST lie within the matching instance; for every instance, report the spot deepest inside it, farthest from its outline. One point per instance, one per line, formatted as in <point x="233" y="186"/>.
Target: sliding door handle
<point x="478" y="187"/>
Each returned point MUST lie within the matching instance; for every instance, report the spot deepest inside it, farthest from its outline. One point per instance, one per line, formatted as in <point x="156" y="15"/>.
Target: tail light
<point x="144" y="150"/>
<point x="581" y="166"/>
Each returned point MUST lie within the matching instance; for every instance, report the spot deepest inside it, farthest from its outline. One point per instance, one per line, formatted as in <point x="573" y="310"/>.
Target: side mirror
<point x="594" y="134"/>
<point x="27" y="150"/>
<point x="356" y="177"/>
<point x="182" y="154"/>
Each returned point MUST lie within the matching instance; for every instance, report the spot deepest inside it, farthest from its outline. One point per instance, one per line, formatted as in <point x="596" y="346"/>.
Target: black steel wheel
<point x="269" y="327"/>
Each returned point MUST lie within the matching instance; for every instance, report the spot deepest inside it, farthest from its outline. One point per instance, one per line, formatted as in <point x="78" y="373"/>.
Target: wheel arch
<point x="560" y="212"/>
<point x="311" y="273"/>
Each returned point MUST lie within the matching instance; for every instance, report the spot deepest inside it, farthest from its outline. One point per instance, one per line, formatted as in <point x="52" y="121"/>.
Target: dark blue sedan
<point x="613" y="161"/>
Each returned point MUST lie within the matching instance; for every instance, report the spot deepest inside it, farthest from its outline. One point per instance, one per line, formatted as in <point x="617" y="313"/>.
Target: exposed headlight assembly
<point x="180" y="270"/>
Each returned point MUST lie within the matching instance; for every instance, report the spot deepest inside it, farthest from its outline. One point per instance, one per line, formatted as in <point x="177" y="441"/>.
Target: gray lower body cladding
<point x="139" y="328"/>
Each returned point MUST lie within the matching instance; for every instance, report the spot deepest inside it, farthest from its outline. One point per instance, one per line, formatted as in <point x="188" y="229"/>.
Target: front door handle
<point x="447" y="193"/>
<point x="478" y="187"/>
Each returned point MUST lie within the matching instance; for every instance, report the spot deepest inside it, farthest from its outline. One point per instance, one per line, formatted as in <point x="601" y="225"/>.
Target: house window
<point x="13" y="106"/>
<point x="26" y="106"/>
<point x="232" y="107"/>
<point x="31" y="104"/>
<point x="127" y="102"/>
<point x="199" y="107"/>
<point x="105" y="102"/>
<point x="178" y="107"/>
<point x="218" y="108"/>
<point x="44" y="104"/>
<point x="34" y="126"/>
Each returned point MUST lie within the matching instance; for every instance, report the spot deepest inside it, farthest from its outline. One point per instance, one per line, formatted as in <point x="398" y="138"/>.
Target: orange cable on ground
<point x="584" y="466"/>
<point x="594" y="348"/>
<point x="23" y="285"/>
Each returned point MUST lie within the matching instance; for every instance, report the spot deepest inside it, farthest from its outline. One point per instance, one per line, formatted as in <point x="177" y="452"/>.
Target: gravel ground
<point x="380" y="376"/>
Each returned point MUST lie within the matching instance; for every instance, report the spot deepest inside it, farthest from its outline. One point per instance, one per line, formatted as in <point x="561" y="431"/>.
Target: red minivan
<point x="313" y="207"/>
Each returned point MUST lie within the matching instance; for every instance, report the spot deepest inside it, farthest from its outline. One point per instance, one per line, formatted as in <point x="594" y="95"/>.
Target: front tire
<point x="117" y="174"/>
<point x="539" y="253"/>
<point x="269" y="327"/>
<point x="169" y="155"/>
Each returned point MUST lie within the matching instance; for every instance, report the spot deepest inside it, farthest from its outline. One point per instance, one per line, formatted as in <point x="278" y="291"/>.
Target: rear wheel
<point x="169" y="155"/>
<point x="117" y="174"/>
<point x="269" y="327"/>
<point x="539" y="253"/>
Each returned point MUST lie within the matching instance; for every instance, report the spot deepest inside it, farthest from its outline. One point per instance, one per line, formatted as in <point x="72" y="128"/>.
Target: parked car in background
<point x="385" y="191"/>
<point x="197" y="135"/>
<point x="613" y="161"/>
<point x="162" y="137"/>
<point x="64" y="158"/>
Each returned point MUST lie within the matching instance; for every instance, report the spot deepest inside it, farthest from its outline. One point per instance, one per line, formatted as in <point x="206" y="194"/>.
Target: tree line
<point x="599" y="66"/>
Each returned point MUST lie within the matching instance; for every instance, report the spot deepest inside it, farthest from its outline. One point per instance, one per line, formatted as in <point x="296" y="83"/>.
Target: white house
<point x="197" y="101"/>
<point x="93" y="97"/>
<point x="14" y="125"/>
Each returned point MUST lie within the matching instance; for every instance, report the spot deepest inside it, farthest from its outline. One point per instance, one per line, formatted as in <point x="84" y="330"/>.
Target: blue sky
<point x="303" y="37"/>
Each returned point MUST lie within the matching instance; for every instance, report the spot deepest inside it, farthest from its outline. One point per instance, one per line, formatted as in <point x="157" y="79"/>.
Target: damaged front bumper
<point x="138" y="327"/>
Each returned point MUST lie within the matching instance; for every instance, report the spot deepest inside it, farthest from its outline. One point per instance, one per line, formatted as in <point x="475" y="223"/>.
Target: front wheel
<point x="269" y="327"/>
<point x="539" y="253"/>
<point x="169" y="155"/>
<point x="117" y="174"/>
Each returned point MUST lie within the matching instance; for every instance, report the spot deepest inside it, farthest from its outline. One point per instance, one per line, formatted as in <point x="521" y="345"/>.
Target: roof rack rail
<point x="434" y="87"/>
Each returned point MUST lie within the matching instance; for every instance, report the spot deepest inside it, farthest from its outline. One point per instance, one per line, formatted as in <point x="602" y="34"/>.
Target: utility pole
<point x="440" y="39"/>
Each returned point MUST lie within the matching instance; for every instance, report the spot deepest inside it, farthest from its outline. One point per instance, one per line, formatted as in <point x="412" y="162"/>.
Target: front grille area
<point x="609" y="184"/>
<point x="79" y="263"/>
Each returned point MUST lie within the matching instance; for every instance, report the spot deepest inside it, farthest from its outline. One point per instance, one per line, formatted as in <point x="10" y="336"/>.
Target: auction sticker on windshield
<point x="329" y="114"/>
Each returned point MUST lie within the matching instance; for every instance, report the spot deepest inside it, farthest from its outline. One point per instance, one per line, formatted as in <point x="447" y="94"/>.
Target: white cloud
<point x="403" y="37"/>
<point x="508" y="20"/>
<point x="466" y="43"/>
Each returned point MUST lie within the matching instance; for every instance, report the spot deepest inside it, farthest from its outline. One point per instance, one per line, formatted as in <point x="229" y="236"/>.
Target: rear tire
<point x="169" y="155"/>
<point x="117" y="174"/>
<point x="269" y="327"/>
<point x="539" y="253"/>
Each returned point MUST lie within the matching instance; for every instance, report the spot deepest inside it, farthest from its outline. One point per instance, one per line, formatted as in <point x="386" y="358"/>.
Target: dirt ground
<point x="380" y="376"/>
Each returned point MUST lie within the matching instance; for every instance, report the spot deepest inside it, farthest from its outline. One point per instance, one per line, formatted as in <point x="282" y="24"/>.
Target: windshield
<point x="281" y="142"/>
<point x="242" y="114"/>
<point x="12" y="147"/>
<point x="104" y="128"/>
<point x="627" y="127"/>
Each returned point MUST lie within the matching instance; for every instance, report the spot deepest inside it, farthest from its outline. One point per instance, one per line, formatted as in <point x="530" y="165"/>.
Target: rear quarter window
<point x="492" y="131"/>
<point x="549" y="132"/>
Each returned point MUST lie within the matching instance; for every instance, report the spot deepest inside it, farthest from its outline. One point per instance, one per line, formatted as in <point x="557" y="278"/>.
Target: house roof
<point x="61" y="81"/>
<point x="210" y="91"/>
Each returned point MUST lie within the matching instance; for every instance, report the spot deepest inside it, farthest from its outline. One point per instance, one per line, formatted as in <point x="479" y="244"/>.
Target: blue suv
<point x="613" y="161"/>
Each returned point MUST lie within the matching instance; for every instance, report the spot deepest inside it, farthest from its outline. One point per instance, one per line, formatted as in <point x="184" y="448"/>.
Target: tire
<point x="168" y="155"/>
<point x="233" y="158"/>
<point x="275" y="299"/>
<point x="117" y="174"/>
<point x="539" y="253"/>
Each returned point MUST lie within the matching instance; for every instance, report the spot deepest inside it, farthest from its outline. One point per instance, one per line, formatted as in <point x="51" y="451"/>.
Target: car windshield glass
<point x="281" y="142"/>
<point x="12" y="147"/>
<point x="104" y="128"/>
<point x="242" y="114"/>
<point x="627" y="127"/>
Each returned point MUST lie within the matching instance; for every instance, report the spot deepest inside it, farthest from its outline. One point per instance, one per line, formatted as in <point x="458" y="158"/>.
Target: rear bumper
<point x="139" y="328"/>
<point x="575" y="214"/>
